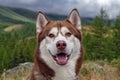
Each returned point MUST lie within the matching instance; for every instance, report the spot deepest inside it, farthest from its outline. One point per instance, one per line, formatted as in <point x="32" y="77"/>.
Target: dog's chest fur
<point x="62" y="72"/>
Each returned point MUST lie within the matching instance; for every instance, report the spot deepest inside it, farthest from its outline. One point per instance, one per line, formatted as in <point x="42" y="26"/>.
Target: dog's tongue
<point x="61" y="59"/>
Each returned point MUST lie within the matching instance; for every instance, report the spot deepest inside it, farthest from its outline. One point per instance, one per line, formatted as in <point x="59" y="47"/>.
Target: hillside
<point x="7" y="15"/>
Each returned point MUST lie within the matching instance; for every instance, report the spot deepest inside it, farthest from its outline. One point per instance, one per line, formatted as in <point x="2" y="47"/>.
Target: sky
<point x="86" y="8"/>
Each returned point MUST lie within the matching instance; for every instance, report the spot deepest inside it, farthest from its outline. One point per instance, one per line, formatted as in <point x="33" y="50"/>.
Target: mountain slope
<point x="25" y="12"/>
<point x="6" y="14"/>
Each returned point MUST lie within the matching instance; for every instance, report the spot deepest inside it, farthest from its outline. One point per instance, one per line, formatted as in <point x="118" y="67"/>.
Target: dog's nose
<point x="61" y="45"/>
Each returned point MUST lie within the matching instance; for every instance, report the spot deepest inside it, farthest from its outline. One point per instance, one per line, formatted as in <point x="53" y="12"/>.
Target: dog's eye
<point x="68" y="34"/>
<point x="51" y="35"/>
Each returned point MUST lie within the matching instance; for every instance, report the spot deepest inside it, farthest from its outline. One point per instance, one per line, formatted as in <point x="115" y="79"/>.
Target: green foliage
<point x="104" y="43"/>
<point x="4" y="25"/>
<point x="84" y="71"/>
<point x="117" y="22"/>
<point x="116" y="63"/>
<point x="117" y="35"/>
<point x="102" y="20"/>
<point x="97" y="45"/>
<point x="17" y="46"/>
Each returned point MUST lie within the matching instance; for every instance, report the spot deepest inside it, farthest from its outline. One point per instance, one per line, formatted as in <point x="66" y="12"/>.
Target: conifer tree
<point x="100" y="24"/>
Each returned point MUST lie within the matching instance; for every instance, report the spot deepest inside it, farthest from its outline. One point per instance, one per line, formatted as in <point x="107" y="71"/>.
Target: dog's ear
<point x="74" y="18"/>
<point x="41" y="22"/>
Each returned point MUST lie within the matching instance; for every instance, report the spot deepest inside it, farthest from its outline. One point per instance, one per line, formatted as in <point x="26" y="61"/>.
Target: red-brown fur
<point x="44" y="71"/>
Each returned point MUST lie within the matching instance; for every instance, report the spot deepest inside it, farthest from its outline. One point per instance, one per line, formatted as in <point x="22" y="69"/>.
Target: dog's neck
<point x="66" y="72"/>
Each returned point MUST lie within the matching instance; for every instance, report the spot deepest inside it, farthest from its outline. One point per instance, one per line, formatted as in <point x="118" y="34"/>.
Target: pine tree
<point x="100" y="23"/>
<point x="102" y="19"/>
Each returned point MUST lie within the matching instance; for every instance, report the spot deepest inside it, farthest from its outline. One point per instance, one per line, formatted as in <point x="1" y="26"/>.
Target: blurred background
<point x="100" y="25"/>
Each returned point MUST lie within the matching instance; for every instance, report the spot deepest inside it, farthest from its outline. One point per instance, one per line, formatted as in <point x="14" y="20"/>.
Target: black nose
<point x="61" y="45"/>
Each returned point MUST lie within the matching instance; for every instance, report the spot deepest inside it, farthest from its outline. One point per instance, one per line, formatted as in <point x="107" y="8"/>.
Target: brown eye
<point x="68" y="34"/>
<point x="51" y="35"/>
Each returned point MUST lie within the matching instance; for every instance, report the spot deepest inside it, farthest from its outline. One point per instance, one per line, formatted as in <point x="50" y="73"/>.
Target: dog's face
<point x="60" y="40"/>
<point x="60" y="43"/>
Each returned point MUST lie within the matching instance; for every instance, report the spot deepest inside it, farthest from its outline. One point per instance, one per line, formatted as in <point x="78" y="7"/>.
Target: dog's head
<point x="60" y="40"/>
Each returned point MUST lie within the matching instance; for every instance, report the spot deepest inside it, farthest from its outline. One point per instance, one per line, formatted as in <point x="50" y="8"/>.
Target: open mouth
<point x="61" y="58"/>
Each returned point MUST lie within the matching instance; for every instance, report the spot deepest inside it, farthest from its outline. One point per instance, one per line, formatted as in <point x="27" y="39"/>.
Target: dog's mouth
<point x="61" y="58"/>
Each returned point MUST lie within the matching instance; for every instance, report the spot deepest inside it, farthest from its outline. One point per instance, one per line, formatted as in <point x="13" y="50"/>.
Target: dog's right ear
<point x="41" y="22"/>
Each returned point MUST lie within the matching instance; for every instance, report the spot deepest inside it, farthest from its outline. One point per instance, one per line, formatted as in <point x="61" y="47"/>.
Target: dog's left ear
<point x="41" y="22"/>
<point x="74" y="18"/>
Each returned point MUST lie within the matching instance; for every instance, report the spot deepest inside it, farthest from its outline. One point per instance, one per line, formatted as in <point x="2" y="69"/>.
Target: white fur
<point x="62" y="72"/>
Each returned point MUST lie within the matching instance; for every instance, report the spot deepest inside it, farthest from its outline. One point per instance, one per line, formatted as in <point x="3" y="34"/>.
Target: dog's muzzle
<point x="61" y="57"/>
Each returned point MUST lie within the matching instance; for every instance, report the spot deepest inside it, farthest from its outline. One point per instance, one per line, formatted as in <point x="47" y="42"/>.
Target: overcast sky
<point x="87" y="8"/>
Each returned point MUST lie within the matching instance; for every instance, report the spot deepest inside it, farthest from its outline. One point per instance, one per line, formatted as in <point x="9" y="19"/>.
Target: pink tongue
<point x="61" y="60"/>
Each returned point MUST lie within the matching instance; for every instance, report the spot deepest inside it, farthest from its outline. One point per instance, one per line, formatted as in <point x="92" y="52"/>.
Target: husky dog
<point x="59" y="51"/>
